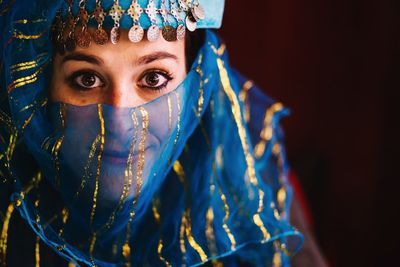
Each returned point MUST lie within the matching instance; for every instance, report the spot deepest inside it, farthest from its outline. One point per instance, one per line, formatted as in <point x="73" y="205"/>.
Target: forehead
<point x="127" y="49"/>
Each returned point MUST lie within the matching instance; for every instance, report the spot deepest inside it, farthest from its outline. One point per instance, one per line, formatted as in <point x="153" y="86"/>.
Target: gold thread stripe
<point x="156" y="213"/>
<point x="26" y="21"/>
<point x="178" y="168"/>
<point x="126" y="248"/>
<point x="201" y="92"/>
<point x="28" y="64"/>
<point x="218" y="51"/>
<point x="159" y="251"/>
<point x="91" y="156"/>
<point x="96" y="189"/>
<point x="22" y="36"/>
<point x="26" y="80"/>
<point x="37" y="252"/>
<point x="27" y="121"/>
<point x="4" y="233"/>
<point x="91" y="249"/>
<point x="245" y="89"/>
<point x="267" y="131"/>
<point x="128" y="177"/>
<point x="64" y="218"/>
<point x="221" y="49"/>
<point x="226" y="217"/>
<point x="210" y="232"/>
<point x="182" y="240"/>
<point x="141" y="162"/>
<point x="281" y="194"/>
<point x="178" y="126"/>
<point x="56" y="150"/>
<point x="190" y="238"/>
<point x="222" y="196"/>
<point x="57" y="146"/>
<point x="246" y="148"/>
<point x="169" y="112"/>
<point x="157" y="217"/>
<point x="201" y="86"/>
<point x="243" y="97"/>
<point x="11" y="146"/>
<point x="277" y="260"/>
<point x="212" y="246"/>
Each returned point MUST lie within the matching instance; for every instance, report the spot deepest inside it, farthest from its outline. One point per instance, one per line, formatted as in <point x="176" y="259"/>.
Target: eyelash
<point x="165" y="74"/>
<point x="73" y="83"/>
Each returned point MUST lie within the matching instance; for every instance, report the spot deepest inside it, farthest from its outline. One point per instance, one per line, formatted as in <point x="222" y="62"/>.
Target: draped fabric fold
<point x="193" y="177"/>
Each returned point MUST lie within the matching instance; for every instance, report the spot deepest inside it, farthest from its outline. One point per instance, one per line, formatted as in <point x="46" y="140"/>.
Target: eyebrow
<point x="155" y="56"/>
<point x="159" y="55"/>
<point x="83" y="57"/>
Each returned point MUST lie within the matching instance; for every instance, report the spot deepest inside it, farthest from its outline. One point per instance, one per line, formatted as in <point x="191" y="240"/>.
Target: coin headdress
<point x="144" y="19"/>
<point x="194" y="177"/>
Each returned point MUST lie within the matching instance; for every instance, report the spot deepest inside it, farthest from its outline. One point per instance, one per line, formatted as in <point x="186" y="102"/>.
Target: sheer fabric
<point x="194" y="176"/>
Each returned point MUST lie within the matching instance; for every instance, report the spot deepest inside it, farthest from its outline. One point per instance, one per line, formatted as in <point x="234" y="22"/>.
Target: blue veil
<point x="197" y="176"/>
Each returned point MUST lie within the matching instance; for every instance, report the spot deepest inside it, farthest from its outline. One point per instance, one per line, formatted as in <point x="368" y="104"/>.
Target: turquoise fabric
<point x="201" y="176"/>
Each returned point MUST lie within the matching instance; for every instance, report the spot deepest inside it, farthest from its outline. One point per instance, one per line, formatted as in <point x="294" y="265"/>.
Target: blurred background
<point x="336" y="65"/>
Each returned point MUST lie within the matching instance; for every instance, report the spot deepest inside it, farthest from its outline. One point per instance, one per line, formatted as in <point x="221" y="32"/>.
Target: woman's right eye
<point x="86" y="81"/>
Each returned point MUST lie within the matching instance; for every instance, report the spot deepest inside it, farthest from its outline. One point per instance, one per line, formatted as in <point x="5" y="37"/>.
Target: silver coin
<point x="190" y="24"/>
<point x="198" y="12"/>
<point x="153" y="33"/>
<point x="115" y="35"/>
<point x="135" y="34"/>
<point x="180" y="32"/>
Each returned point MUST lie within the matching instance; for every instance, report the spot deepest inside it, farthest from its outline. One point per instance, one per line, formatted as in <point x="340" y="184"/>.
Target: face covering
<point x="181" y="180"/>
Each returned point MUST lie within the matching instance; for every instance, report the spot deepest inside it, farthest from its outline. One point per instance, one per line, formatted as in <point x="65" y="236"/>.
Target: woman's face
<point x="132" y="135"/>
<point x="123" y="75"/>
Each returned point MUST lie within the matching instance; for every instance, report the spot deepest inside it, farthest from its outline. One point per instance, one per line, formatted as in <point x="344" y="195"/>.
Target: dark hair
<point x="193" y="42"/>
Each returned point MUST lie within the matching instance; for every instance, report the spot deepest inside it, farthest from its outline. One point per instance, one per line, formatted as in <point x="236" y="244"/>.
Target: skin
<point x="123" y="75"/>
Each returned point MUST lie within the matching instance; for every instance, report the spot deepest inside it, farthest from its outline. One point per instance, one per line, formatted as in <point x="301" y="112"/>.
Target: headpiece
<point x="169" y="18"/>
<point x="196" y="175"/>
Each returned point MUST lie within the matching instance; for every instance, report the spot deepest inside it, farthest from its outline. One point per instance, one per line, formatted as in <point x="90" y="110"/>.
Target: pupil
<point x="88" y="80"/>
<point x="152" y="79"/>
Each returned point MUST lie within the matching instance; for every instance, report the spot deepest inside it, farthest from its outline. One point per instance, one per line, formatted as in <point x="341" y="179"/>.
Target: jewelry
<point x="72" y="29"/>
<point x="136" y="33"/>
<point x="83" y="38"/>
<point x="168" y="32"/>
<point x="100" y="36"/>
<point x="116" y="13"/>
<point x="181" y="29"/>
<point x="153" y="33"/>
<point x="70" y="44"/>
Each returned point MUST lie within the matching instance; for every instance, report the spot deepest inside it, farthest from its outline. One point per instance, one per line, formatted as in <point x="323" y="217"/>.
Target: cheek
<point x="180" y="76"/>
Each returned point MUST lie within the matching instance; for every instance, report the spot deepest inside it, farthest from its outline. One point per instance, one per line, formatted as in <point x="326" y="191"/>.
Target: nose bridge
<point x="121" y="92"/>
<point x="118" y="120"/>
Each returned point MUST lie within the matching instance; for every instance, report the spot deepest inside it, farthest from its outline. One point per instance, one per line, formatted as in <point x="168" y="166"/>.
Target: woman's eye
<point x="155" y="80"/>
<point x="87" y="81"/>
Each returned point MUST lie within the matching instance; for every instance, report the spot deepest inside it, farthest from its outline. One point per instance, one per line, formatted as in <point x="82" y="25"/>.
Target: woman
<point x="126" y="142"/>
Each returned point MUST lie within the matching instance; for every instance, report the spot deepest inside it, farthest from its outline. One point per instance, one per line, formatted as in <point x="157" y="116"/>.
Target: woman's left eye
<point x="155" y="80"/>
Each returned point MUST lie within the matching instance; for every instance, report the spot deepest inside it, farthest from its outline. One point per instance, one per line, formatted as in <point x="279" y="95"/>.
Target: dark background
<point x="335" y="64"/>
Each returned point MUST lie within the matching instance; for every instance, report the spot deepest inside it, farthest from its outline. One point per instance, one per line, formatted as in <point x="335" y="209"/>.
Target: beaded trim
<point x="70" y="30"/>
